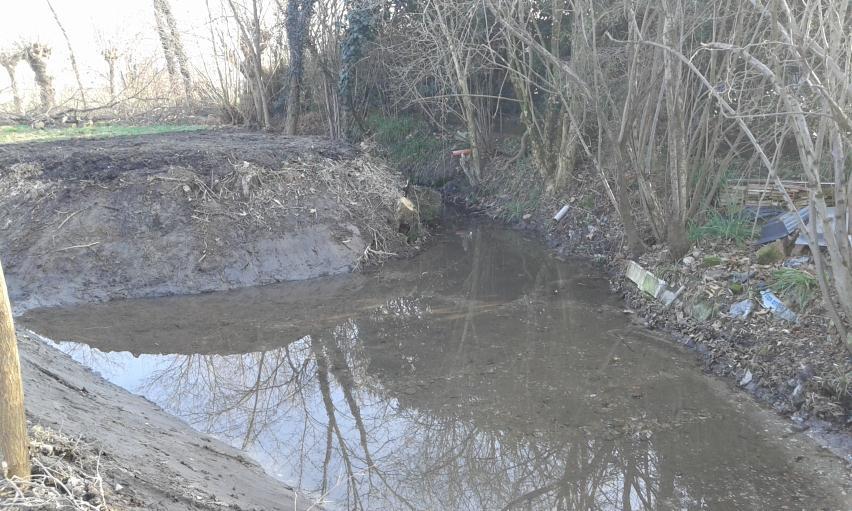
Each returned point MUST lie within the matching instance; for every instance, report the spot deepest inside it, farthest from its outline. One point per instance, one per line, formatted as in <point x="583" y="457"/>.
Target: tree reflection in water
<point x="491" y="378"/>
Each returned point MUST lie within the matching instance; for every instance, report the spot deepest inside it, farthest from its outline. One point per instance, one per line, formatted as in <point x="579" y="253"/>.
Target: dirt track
<point x="93" y="220"/>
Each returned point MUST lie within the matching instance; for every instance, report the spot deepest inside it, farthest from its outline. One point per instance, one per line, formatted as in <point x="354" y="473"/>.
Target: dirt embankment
<point x="139" y="457"/>
<point x="92" y="220"/>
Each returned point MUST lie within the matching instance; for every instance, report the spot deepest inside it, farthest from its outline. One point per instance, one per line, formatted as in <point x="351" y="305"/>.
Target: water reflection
<point x="484" y="375"/>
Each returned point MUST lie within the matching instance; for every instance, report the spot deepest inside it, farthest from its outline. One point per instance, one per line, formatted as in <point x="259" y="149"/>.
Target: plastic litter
<point x="774" y="304"/>
<point x="742" y="309"/>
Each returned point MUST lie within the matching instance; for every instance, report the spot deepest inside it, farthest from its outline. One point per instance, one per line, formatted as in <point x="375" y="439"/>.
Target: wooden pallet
<point x="739" y="193"/>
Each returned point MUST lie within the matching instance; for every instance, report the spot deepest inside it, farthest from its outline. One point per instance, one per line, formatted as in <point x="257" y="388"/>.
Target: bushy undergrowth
<point x="409" y="145"/>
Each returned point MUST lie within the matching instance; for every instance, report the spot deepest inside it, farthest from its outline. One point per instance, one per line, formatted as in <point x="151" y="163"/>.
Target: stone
<point x="526" y="217"/>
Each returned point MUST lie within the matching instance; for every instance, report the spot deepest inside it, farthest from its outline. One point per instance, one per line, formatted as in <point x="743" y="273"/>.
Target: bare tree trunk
<point x="165" y="42"/>
<point x="252" y="48"/>
<point x="111" y="56"/>
<point x="71" y="53"/>
<point x="13" y="424"/>
<point x="299" y="14"/>
<point x="36" y="55"/>
<point x="176" y="45"/>
<point x="9" y="61"/>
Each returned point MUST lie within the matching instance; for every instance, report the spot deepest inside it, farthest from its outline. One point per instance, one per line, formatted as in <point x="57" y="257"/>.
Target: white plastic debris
<point x="774" y="304"/>
<point x="742" y="309"/>
<point x="561" y="214"/>
<point x="651" y="285"/>
<point x="747" y="377"/>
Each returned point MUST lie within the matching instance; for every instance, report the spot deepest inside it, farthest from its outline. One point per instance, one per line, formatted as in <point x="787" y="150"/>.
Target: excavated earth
<point x="94" y="220"/>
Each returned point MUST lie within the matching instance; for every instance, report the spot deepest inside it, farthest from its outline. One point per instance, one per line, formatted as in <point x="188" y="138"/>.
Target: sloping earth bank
<point x="92" y="220"/>
<point x="148" y="459"/>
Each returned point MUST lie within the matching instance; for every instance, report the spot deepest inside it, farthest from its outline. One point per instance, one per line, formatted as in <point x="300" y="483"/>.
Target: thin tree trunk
<point x="165" y="42"/>
<point x="299" y="14"/>
<point x="16" y="95"/>
<point x="176" y="45"/>
<point x="71" y="53"/>
<point x="13" y="423"/>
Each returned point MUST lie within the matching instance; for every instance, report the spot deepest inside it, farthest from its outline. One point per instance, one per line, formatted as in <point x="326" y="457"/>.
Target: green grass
<point x="723" y="228"/>
<point x="19" y="134"/>
<point x="799" y="286"/>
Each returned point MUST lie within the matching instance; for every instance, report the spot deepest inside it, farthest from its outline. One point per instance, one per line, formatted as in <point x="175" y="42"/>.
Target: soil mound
<point x="93" y="220"/>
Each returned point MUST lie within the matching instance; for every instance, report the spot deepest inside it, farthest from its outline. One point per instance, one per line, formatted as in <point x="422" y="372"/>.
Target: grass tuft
<point x="799" y="286"/>
<point x="723" y="228"/>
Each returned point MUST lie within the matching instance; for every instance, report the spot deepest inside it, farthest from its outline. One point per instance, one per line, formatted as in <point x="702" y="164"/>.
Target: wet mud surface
<point x="483" y="374"/>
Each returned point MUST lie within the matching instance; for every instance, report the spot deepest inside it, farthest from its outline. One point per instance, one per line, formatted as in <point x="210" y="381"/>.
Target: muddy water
<point x="481" y="375"/>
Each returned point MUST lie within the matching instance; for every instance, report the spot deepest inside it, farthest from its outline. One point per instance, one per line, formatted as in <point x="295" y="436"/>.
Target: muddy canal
<point x="481" y="375"/>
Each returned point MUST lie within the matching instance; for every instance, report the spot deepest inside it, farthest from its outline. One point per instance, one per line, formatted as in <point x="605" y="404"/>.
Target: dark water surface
<point x="481" y="375"/>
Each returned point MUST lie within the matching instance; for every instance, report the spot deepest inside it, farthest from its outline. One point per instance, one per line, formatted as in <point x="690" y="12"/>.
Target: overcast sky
<point x="126" y="24"/>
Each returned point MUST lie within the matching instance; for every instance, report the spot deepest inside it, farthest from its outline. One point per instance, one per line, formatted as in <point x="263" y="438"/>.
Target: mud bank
<point x="93" y="220"/>
<point x="800" y="371"/>
<point x="149" y="460"/>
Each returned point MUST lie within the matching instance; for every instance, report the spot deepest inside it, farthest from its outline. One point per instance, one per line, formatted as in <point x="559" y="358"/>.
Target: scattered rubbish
<point x="459" y="153"/>
<point x="668" y="297"/>
<point x="526" y="217"/>
<point x="645" y="280"/>
<point x="742" y="309"/>
<point x="783" y="226"/>
<point x="796" y="262"/>
<point x="688" y="261"/>
<point x="651" y="285"/>
<point x="747" y="377"/>
<point x="561" y="214"/>
<point x="774" y="304"/>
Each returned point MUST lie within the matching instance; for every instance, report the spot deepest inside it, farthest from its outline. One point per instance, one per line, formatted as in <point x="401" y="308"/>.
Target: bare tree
<point x="251" y="43"/>
<point x="9" y="60"/>
<point x="170" y="39"/>
<point x="110" y="55"/>
<point x="13" y="424"/>
<point x="73" y="59"/>
<point x="36" y="55"/>
<point x="298" y="20"/>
